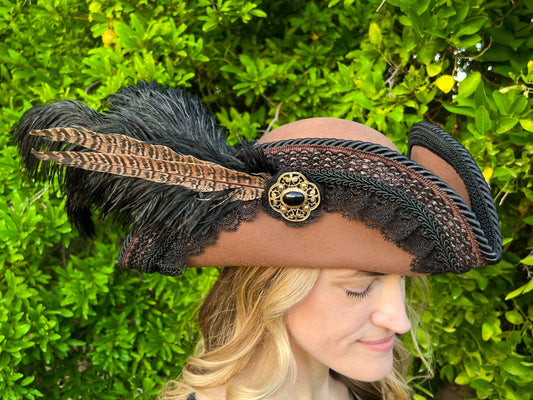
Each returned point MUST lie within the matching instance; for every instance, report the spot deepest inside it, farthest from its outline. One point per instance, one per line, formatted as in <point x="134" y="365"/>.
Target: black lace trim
<point x="397" y="215"/>
<point x="167" y="254"/>
<point x="482" y="218"/>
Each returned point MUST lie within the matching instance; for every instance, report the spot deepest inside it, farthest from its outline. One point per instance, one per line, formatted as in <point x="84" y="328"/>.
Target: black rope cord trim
<point x="382" y="151"/>
<point x="445" y="146"/>
<point x="305" y="158"/>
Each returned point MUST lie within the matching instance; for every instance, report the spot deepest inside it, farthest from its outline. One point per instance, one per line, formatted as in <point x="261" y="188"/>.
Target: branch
<point x="480" y="54"/>
<point x="276" y="116"/>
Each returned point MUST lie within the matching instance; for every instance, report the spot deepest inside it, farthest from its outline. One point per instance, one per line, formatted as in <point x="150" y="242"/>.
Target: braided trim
<point x="488" y="243"/>
<point x="446" y="147"/>
<point x="339" y="145"/>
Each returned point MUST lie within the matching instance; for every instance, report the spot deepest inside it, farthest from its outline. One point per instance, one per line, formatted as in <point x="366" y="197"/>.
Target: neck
<point x="313" y="381"/>
<point x="306" y="389"/>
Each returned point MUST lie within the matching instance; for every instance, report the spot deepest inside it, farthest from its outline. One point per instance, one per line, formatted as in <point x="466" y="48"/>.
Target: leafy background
<point x="74" y="326"/>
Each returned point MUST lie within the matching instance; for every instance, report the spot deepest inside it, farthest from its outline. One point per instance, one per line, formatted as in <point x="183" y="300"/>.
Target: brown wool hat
<point x="321" y="192"/>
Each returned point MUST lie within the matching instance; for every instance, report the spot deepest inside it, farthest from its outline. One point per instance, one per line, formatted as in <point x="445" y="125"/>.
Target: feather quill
<point x="122" y="155"/>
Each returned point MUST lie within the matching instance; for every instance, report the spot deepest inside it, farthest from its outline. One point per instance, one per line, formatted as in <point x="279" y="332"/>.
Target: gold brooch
<point x="294" y="197"/>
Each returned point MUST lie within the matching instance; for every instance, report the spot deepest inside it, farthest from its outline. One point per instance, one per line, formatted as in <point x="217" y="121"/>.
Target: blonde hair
<point x="242" y="320"/>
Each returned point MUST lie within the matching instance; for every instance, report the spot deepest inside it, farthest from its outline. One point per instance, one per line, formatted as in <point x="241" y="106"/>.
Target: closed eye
<point x="359" y="294"/>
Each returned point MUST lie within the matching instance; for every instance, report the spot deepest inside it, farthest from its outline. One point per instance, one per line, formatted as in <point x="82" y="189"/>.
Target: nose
<point x="389" y="311"/>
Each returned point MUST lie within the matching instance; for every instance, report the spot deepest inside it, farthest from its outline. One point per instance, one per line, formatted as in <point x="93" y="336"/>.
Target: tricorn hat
<point x="320" y="192"/>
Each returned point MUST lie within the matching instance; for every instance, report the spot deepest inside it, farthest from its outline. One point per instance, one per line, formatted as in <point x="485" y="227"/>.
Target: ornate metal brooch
<point x="293" y="196"/>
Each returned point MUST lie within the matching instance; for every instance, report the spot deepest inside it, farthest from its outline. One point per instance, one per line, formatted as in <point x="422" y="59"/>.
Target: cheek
<point x="318" y="322"/>
<point x="308" y="320"/>
<point x="305" y="317"/>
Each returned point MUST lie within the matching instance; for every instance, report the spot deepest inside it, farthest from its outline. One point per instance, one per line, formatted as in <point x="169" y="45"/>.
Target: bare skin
<point x="347" y="323"/>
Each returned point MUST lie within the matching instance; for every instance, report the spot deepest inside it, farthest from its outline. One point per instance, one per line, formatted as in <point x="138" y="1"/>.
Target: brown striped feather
<point x="191" y="172"/>
<point x="107" y="143"/>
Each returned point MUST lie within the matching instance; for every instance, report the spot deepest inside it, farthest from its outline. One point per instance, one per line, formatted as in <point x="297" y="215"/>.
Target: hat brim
<point x="332" y="241"/>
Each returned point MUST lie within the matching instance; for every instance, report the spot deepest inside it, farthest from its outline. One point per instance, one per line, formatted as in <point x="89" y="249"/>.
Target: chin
<point x="371" y="371"/>
<point x="372" y="377"/>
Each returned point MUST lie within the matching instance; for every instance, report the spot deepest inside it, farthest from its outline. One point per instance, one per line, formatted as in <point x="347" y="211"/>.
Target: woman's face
<point x="348" y="323"/>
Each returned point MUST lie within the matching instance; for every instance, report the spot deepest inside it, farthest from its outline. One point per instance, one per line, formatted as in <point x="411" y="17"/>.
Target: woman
<point x="301" y="324"/>
<point x="318" y="222"/>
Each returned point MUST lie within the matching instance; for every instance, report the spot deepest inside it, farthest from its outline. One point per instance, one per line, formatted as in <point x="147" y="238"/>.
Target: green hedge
<point x="72" y="325"/>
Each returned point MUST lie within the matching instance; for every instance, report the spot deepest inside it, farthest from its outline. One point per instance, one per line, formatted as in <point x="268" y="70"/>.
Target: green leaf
<point x="501" y="101"/>
<point x="487" y="331"/>
<point x="518" y="105"/>
<point x="514" y="317"/>
<point x="469" y="85"/>
<point x="528" y="287"/>
<point x="527" y="124"/>
<point x="258" y="13"/>
<point x="21" y="330"/>
<point x="26" y="381"/>
<point x="16" y="376"/>
<point x="527" y="261"/>
<point x="483" y="122"/>
<point x="461" y="110"/>
<point x="462" y="379"/>
<point x="433" y="69"/>
<point x="426" y="53"/>
<point x="374" y="34"/>
<point x="506" y="124"/>
<point x="471" y="26"/>
<point x="515" y="367"/>
<point x="466" y="41"/>
<point x="481" y="384"/>
<point x="528" y="220"/>
<point x="415" y="21"/>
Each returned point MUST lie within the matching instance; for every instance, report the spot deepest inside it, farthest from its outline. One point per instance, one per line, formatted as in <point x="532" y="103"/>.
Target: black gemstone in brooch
<point x="293" y="196"/>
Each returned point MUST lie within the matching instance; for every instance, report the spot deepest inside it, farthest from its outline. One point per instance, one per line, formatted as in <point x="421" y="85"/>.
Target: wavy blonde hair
<point x="242" y="320"/>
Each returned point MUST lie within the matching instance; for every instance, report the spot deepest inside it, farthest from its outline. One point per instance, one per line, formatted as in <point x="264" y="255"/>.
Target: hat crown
<point x="332" y="128"/>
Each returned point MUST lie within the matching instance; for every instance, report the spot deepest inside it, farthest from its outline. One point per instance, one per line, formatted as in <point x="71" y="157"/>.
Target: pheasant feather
<point x="111" y="143"/>
<point x="125" y="156"/>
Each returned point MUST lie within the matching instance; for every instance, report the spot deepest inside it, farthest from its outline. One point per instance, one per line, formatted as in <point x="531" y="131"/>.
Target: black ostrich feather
<point x="148" y="113"/>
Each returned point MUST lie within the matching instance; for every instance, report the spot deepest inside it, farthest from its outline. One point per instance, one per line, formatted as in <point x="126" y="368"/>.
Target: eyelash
<point x="364" y="293"/>
<point x="359" y="295"/>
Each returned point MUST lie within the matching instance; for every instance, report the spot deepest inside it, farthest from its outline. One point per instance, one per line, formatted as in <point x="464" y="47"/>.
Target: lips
<point x="380" y="345"/>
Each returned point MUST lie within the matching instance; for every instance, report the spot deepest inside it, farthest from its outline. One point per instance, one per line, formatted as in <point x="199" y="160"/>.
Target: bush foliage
<point x="74" y="326"/>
